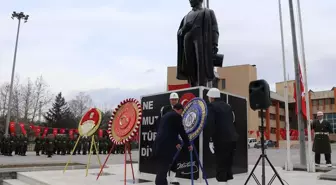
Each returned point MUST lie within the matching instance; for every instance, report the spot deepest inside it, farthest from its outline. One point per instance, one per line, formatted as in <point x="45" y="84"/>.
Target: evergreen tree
<point x="59" y="115"/>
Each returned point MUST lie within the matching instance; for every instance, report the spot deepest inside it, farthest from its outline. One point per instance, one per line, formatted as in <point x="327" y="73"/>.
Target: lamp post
<point x="19" y="16"/>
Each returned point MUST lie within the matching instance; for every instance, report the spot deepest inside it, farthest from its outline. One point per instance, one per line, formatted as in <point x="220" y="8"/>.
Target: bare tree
<point x="27" y="95"/>
<point x="42" y="96"/>
<point x="80" y="104"/>
<point x="17" y="100"/>
<point x="4" y="93"/>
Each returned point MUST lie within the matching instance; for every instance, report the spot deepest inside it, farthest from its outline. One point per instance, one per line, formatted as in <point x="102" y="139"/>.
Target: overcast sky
<point x="127" y="44"/>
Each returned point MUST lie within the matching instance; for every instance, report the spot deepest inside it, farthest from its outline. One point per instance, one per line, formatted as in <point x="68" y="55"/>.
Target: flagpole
<point x="310" y="165"/>
<point x="288" y="164"/>
<point x="303" y="160"/>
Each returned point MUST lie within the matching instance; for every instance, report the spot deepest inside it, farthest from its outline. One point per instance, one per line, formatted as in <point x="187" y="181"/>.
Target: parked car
<point x="270" y="143"/>
<point x="251" y="142"/>
<point x="258" y="145"/>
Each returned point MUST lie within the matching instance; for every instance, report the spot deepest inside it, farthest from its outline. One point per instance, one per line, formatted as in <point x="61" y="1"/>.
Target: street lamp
<point x="19" y="16"/>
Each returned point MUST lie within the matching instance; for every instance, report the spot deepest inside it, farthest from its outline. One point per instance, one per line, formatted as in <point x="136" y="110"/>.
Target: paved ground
<point x="115" y="174"/>
<point x="277" y="157"/>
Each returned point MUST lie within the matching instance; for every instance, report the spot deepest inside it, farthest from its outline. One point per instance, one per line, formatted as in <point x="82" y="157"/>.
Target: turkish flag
<point x="186" y="98"/>
<point x="177" y="87"/>
<point x="12" y="127"/>
<point x="62" y="130"/>
<point x="23" y="130"/>
<point x="55" y="130"/>
<point x="71" y="131"/>
<point x="37" y="130"/>
<point x="303" y="99"/>
<point x="100" y="133"/>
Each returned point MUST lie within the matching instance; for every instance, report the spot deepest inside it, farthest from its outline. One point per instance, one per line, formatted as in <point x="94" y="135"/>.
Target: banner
<point x="177" y="87"/>
<point x="71" y="132"/>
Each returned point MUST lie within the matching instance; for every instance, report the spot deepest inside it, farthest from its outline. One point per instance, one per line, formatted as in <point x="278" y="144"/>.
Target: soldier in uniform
<point x="64" y="145"/>
<point x="79" y="146"/>
<point x="57" y="143"/>
<point x="7" y="146"/>
<point x="85" y="145"/>
<point x="69" y="145"/>
<point x="44" y="146"/>
<point x="37" y="146"/>
<point x="321" y="144"/>
<point x="101" y="145"/>
<point x="50" y="147"/>
<point x="93" y="147"/>
<point x="23" y="145"/>
<point x="107" y="144"/>
<point x="15" y="143"/>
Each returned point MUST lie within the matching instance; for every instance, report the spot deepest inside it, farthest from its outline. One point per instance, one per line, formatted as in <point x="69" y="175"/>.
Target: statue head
<point x="195" y="3"/>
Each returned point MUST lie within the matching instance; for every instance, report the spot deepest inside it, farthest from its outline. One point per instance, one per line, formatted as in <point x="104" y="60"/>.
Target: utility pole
<point x="19" y="17"/>
<point x="297" y="87"/>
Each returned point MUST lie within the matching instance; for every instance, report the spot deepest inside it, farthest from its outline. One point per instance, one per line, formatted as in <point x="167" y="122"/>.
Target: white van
<point x="251" y="142"/>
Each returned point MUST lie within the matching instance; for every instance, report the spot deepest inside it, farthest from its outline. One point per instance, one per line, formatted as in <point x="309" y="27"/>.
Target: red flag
<point x="45" y="132"/>
<point x="71" y="131"/>
<point x="258" y="133"/>
<point x="55" y="131"/>
<point x="23" y="130"/>
<point x="62" y="130"/>
<point x="100" y="133"/>
<point x="303" y="99"/>
<point x="12" y="127"/>
<point x="37" y="131"/>
<point x="31" y="126"/>
<point x="177" y="87"/>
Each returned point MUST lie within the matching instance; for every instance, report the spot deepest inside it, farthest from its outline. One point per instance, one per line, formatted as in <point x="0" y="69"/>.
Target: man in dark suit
<point x="173" y="99"/>
<point x="321" y="144"/>
<point x="222" y="133"/>
<point x="167" y="142"/>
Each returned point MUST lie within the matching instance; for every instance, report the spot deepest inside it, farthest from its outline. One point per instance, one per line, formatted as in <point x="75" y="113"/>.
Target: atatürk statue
<point x="198" y="46"/>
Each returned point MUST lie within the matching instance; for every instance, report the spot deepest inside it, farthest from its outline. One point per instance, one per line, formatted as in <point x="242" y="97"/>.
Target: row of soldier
<point x="10" y="144"/>
<point x="63" y="145"/>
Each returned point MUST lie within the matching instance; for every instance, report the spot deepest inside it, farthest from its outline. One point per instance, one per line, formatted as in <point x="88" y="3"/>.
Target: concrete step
<point x="13" y="182"/>
<point x="331" y="175"/>
<point x="29" y="180"/>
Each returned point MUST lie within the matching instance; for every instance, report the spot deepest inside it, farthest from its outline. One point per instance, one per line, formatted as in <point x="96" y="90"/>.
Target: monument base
<point x="152" y="104"/>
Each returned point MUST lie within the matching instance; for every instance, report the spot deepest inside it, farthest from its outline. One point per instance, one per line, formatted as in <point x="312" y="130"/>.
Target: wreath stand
<point x="89" y="134"/>
<point x="122" y="128"/>
<point x="93" y="144"/>
<point x="127" y="151"/>
<point x="193" y="127"/>
<point x="191" y="163"/>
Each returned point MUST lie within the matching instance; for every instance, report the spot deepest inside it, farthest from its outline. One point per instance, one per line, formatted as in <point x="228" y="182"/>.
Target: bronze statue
<point x="198" y="46"/>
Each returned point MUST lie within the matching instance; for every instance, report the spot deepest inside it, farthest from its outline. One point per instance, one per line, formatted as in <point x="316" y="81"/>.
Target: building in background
<point x="236" y="79"/>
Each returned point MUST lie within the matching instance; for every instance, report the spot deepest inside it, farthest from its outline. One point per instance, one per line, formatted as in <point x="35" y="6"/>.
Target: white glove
<point x="212" y="147"/>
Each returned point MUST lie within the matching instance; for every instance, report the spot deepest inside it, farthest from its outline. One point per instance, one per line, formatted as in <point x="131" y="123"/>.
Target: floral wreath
<point x="129" y="111"/>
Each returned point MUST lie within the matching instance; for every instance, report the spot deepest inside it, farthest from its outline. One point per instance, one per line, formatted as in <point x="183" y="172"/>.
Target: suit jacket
<point x="163" y="111"/>
<point x="170" y="128"/>
<point x="220" y="124"/>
